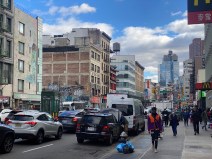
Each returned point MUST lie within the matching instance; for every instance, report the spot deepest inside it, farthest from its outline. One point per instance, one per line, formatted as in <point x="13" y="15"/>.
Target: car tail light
<point x="74" y="119"/>
<point x="78" y="127"/>
<point x="105" y="128"/>
<point x="8" y="122"/>
<point x="31" y="123"/>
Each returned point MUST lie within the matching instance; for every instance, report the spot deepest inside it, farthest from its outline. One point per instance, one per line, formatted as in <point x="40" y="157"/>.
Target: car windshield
<point x="90" y="119"/>
<point x="126" y="110"/>
<point x="23" y="117"/>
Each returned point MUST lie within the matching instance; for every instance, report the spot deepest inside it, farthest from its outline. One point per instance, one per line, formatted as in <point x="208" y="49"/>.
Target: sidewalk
<point x="197" y="146"/>
<point x="185" y="145"/>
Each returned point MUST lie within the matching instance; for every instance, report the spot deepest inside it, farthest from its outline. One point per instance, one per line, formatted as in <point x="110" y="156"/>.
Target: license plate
<point x="64" y="121"/>
<point x="91" y="129"/>
<point x="17" y="125"/>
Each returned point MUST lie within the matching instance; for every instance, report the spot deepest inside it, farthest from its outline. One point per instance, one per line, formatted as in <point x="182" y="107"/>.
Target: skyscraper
<point x="169" y="69"/>
<point x="196" y="48"/>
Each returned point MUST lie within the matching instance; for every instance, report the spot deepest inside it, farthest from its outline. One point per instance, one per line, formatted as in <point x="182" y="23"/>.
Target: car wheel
<point x="59" y="133"/>
<point x="136" y="131"/>
<point x="143" y="129"/>
<point x="80" y="140"/>
<point x="110" y="140"/>
<point x="39" y="137"/>
<point x="7" y="144"/>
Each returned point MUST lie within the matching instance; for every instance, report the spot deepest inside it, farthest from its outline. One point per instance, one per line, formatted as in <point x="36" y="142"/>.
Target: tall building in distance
<point x="169" y="69"/>
<point x="6" y="51"/>
<point x="187" y="71"/>
<point x="196" y="48"/>
<point x="27" y="70"/>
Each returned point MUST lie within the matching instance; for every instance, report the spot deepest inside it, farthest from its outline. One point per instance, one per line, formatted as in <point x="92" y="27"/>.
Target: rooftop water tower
<point x="116" y="47"/>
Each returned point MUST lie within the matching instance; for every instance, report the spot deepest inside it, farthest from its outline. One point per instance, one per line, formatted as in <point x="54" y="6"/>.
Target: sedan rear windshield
<point x="23" y="117"/>
<point x="126" y="110"/>
<point x="90" y="119"/>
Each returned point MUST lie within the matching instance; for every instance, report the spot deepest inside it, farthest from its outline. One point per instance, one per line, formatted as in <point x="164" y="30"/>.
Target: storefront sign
<point x="199" y="11"/>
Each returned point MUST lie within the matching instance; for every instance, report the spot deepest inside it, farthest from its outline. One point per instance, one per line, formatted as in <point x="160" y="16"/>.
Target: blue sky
<point x="146" y="28"/>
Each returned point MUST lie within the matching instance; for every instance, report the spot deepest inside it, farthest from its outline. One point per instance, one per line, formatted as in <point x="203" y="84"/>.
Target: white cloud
<point x="154" y="78"/>
<point x="65" y="11"/>
<point x="65" y="25"/>
<point x="150" y="44"/>
<point x="49" y="3"/>
<point x="151" y="69"/>
<point x="176" y="13"/>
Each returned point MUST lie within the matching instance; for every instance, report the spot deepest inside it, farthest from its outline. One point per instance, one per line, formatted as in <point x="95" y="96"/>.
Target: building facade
<point x="187" y="71"/>
<point x="27" y="79"/>
<point x="6" y="52"/>
<point x="127" y="76"/>
<point x="208" y="61"/>
<point x="169" y="69"/>
<point x="196" y="48"/>
<point x="139" y="79"/>
<point x="85" y="62"/>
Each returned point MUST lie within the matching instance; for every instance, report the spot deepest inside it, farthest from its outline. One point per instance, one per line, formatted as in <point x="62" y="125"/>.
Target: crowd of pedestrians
<point x="194" y="114"/>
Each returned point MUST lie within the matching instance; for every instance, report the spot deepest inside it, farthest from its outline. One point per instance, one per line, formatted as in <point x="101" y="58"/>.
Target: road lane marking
<point x="37" y="148"/>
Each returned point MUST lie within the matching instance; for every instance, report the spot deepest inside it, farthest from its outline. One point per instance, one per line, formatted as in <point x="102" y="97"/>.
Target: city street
<point x="65" y="148"/>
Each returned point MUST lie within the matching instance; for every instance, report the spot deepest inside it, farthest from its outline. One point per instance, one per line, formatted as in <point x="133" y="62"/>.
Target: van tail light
<point x="8" y="122"/>
<point x="74" y="119"/>
<point x="105" y="128"/>
<point x="31" y="123"/>
<point x="78" y="128"/>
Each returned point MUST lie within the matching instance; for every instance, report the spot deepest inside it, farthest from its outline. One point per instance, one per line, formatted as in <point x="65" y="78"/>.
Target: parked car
<point x="35" y="125"/>
<point x="10" y="115"/>
<point x="3" y="114"/>
<point x="69" y="119"/>
<point x="7" y="138"/>
<point x="98" y="126"/>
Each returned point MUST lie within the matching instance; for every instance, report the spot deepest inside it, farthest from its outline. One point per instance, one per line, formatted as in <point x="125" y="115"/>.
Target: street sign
<point x="199" y="11"/>
<point x="203" y="86"/>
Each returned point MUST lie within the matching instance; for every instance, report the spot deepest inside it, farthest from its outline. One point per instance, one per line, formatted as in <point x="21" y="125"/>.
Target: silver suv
<point x="35" y="125"/>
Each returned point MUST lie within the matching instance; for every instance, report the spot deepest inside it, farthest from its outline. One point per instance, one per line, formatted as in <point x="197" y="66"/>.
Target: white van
<point x="133" y="111"/>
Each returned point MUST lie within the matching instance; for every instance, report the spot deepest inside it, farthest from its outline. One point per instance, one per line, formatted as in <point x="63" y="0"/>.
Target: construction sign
<point x="203" y="86"/>
<point x="199" y="11"/>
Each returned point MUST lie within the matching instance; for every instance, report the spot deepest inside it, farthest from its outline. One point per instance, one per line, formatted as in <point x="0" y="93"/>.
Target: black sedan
<point x="7" y="138"/>
<point x="69" y="119"/>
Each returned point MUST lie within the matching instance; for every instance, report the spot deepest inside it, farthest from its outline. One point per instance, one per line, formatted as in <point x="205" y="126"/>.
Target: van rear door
<point x="127" y="111"/>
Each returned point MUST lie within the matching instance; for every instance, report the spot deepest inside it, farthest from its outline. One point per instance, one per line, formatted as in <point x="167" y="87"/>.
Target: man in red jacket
<point x="154" y="127"/>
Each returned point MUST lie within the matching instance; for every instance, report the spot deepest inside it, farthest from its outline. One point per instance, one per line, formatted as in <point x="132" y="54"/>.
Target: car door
<point x="112" y="124"/>
<point x="53" y="126"/>
<point x="44" y="121"/>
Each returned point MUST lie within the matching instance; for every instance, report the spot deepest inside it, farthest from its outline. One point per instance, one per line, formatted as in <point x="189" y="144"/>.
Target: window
<point x="9" y="24"/>
<point x="38" y="69"/>
<point x="21" y="65"/>
<point x="92" y="79"/>
<point x="126" y="110"/>
<point x="29" y="68"/>
<point x="98" y="69"/>
<point x="1" y="20"/>
<point x="20" y="85"/>
<point x="21" y="28"/>
<point x="98" y="57"/>
<point x="8" y="3"/>
<point x="29" y="85"/>
<point x="21" y="47"/>
<point x="92" y="54"/>
<point x="30" y="33"/>
<point x="8" y="51"/>
<point x="92" y="67"/>
<point x="98" y="80"/>
<point x="1" y="44"/>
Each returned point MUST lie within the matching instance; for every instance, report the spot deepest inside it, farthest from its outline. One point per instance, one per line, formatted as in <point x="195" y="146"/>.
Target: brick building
<point x="79" y="59"/>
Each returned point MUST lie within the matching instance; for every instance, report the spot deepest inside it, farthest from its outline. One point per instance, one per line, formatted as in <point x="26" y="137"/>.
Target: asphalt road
<point x="65" y="148"/>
